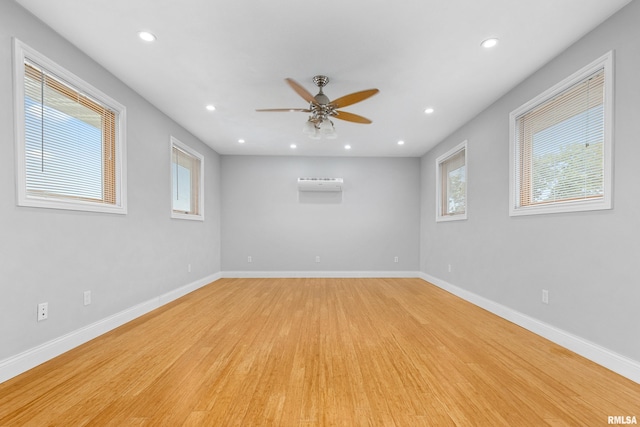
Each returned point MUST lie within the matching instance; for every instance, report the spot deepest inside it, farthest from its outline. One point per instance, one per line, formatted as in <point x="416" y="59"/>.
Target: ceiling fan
<point x="321" y="109"/>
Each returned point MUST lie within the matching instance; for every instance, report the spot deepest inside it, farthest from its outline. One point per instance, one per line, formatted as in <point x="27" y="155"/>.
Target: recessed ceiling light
<point x="293" y="146"/>
<point x="211" y="107"/>
<point x="146" y="36"/>
<point x="400" y="142"/>
<point x="429" y="110"/>
<point x="241" y="141"/>
<point x="347" y="147"/>
<point x="489" y="43"/>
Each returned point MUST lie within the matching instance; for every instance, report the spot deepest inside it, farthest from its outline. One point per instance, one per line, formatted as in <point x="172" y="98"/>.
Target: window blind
<point x="453" y="181"/>
<point x="186" y="182"/>
<point x="69" y="141"/>
<point x="561" y="146"/>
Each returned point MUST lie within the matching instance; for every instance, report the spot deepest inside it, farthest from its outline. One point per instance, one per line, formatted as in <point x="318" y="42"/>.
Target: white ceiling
<point x="235" y="54"/>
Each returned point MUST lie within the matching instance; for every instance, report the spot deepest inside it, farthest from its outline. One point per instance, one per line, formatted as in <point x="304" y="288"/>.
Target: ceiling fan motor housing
<point x="321" y="98"/>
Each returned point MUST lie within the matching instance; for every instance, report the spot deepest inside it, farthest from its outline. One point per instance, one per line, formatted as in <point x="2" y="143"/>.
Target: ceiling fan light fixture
<point x="326" y="126"/>
<point x="309" y="128"/>
<point x="327" y="129"/>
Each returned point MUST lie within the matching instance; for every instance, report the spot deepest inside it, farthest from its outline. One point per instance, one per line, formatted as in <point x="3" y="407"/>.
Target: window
<point x="451" y="184"/>
<point x="187" y="182"/>
<point x="70" y="139"/>
<point x="561" y="145"/>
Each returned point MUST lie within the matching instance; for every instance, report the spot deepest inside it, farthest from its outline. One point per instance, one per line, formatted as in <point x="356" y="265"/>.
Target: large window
<point x="561" y="145"/>
<point x="451" y="184"/>
<point x="70" y="144"/>
<point x="186" y="182"/>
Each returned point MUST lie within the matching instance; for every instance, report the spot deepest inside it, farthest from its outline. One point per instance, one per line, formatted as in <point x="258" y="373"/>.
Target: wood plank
<point x="309" y="352"/>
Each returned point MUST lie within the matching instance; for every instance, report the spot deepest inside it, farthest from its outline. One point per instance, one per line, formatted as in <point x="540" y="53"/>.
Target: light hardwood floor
<point x="306" y="352"/>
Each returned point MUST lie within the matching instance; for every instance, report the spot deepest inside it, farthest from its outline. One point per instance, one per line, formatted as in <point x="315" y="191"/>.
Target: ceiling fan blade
<point x="352" y="98"/>
<point x="305" y="94"/>
<point x="284" y="110"/>
<point x="350" y="117"/>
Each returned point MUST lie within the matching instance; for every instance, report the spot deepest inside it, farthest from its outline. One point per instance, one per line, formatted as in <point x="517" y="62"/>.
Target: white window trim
<point x="604" y="62"/>
<point x="21" y="52"/>
<point x="174" y="142"/>
<point x="455" y="150"/>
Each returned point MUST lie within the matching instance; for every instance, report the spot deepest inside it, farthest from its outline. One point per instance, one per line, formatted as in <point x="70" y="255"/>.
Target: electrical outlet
<point x="249" y="259"/>
<point x="43" y="311"/>
<point x="395" y="259"/>
<point x="188" y="268"/>
<point x="87" y="297"/>
<point x="449" y="268"/>
<point x="545" y="296"/>
<point x="317" y="258"/>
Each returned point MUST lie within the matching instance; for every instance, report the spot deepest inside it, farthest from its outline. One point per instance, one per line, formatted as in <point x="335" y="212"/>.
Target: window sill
<point x="190" y="217"/>
<point x="445" y="218"/>
<point x="561" y="207"/>
<point x="71" y="205"/>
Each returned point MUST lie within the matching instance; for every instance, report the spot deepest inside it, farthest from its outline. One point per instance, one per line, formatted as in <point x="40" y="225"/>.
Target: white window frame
<point x="23" y="52"/>
<point x="439" y="162"/>
<point x="174" y="142"/>
<point x="603" y="63"/>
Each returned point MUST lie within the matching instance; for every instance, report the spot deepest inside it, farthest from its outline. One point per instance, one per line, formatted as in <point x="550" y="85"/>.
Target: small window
<point x="561" y="145"/>
<point x="451" y="184"/>
<point x="70" y="144"/>
<point x="186" y="182"/>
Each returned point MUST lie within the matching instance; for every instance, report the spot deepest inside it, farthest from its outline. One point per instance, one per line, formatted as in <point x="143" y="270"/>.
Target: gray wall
<point x="588" y="261"/>
<point x="54" y="255"/>
<point x="375" y="218"/>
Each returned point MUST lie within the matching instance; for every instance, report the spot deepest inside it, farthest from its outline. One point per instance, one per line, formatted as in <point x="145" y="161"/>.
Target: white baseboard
<point x="619" y="364"/>
<point x="311" y="274"/>
<point x="33" y="357"/>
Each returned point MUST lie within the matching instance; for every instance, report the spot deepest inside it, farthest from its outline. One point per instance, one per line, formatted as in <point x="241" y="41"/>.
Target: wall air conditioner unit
<point x="320" y="184"/>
